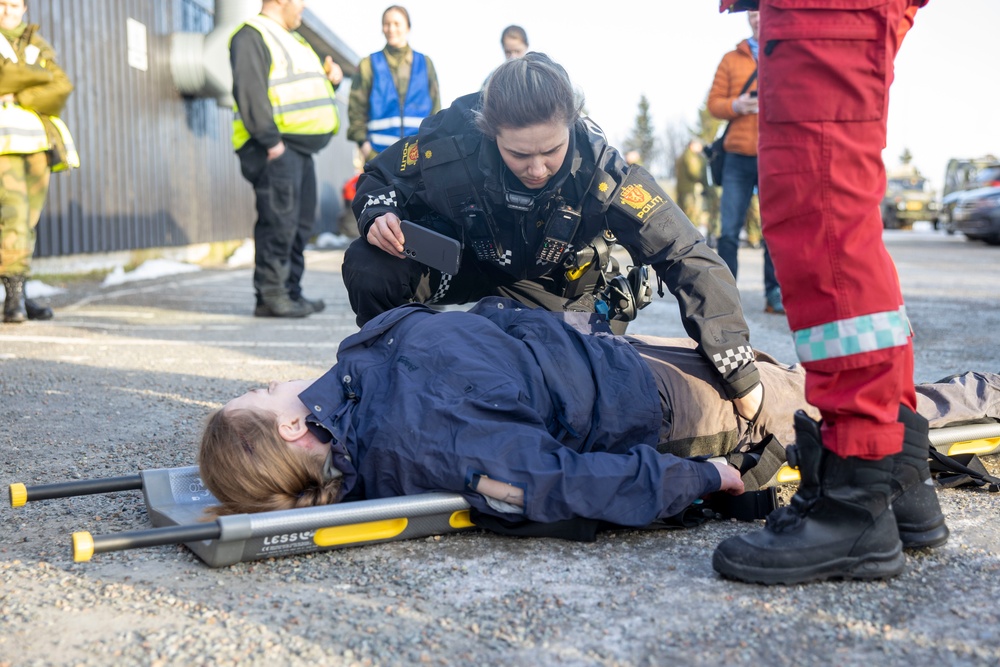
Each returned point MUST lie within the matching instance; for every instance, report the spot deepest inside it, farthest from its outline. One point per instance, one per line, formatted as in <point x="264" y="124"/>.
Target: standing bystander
<point x="392" y="91"/>
<point x="691" y="171"/>
<point x="514" y="41"/>
<point x="733" y="97"/>
<point x="866" y="493"/>
<point x="33" y="143"/>
<point x="285" y="112"/>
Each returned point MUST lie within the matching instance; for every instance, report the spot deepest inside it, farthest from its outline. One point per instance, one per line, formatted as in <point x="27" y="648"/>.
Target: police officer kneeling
<point x="538" y="199"/>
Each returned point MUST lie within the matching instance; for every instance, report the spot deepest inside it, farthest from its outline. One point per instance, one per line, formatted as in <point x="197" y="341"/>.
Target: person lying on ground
<point x="530" y="415"/>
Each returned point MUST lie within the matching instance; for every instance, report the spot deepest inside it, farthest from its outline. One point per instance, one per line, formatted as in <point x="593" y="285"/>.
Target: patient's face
<point x="281" y="398"/>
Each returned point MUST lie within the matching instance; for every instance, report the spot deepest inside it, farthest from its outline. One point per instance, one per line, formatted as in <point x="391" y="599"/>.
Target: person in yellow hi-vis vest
<point x="285" y="112"/>
<point x="33" y="143"/>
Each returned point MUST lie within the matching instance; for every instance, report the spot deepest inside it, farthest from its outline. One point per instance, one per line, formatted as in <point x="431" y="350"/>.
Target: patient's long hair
<point x="248" y="467"/>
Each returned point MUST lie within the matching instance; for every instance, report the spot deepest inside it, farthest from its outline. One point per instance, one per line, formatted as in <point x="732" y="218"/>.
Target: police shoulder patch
<point x="411" y="155"/>
<point x="639" y="196"/>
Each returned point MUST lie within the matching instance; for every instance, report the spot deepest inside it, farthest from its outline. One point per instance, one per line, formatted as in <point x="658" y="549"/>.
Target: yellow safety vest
<point x="22" y="132"/>
<point x="302" y="98"/>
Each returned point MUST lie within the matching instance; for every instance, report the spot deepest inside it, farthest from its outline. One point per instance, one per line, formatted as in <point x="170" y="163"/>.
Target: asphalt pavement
<point x="122" y="378"/>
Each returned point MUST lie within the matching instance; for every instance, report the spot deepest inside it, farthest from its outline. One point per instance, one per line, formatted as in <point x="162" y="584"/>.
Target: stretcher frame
<point x="176" y="502"/>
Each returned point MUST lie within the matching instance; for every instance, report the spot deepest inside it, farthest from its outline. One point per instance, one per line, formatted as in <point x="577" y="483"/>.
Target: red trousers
<point x="825" y="67"/>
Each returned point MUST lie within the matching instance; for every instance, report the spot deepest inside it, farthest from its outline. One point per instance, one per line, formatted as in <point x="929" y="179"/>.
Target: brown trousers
<point x="699" y="420"/>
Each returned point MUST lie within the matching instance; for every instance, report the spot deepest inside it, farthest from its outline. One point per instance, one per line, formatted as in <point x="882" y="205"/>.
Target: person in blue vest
<point x="393" y="89"/>
<point x="284" y="112"/>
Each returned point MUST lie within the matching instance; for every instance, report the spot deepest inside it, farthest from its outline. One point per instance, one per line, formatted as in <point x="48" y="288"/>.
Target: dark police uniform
<point x="452" y="179"/>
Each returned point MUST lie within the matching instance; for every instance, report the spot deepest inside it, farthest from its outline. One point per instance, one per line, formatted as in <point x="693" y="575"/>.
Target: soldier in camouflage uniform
<point x="690" y="169"/>
<point x="33" y="143"/>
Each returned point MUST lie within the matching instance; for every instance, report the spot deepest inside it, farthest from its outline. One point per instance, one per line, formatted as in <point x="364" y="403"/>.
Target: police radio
<point x="481" y="233"/>
<point x="558" y="234"/>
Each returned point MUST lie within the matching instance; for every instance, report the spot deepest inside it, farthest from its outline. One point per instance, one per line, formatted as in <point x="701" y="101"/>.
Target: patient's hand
<point x="732" y="483"/>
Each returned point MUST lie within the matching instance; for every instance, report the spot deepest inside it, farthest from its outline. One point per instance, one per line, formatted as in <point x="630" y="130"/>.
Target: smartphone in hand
<point x="431" y="248"/>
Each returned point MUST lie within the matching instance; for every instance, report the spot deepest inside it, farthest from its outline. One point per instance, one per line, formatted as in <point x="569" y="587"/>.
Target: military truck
<point x="908" y="198"/>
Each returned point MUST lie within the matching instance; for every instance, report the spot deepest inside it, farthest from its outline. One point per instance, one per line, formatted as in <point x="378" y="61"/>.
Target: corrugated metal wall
<point x="158" y="169"/>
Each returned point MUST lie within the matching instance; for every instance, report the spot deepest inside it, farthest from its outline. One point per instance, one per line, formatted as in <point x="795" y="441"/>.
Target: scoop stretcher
<point x="177" y="504"/>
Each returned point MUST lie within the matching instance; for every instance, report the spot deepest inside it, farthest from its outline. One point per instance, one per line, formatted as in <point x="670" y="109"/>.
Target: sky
<point x="944" y="103"/>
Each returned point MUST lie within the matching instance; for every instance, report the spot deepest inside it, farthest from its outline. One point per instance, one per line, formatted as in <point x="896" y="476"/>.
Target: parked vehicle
<point x="908" y="198"/>
<point x="977" y="215"/>
<point x="963" y="175"/>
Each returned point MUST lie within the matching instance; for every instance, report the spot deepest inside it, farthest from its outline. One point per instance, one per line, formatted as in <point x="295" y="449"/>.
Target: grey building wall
<point x="158" y="169"/>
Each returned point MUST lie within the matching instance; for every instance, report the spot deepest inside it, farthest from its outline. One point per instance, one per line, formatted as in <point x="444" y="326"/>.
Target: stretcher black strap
<point x="748" y="506"/>
<point x="770" y="457"/>
<point x="961" y="470"/>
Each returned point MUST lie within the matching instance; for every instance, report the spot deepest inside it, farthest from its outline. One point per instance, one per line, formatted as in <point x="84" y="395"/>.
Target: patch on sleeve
<point x="411" y="155"/>
<point x="383" y="199"/>
<point x="639" y="196"/>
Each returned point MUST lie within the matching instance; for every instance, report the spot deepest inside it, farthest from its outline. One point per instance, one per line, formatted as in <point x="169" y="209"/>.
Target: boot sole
<point x="871" y="566"/>
<point x="933" y="534"/>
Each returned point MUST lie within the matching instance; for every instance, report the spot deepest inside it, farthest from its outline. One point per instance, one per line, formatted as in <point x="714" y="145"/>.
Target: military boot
<point x="13" y="305"/>
<point x="35" y="310"/>
<point x="914" y="500"/>
<point x="839" y="523"/>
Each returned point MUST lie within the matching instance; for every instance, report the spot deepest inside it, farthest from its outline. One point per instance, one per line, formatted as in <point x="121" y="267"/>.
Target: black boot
<point x="282" y="306"/>
<point x="915" y="503"/>
<point x="37" y="311"/>
<point x="839" y="523"/>
<point x="317" y="305"/>
<point x="13" y="305"/>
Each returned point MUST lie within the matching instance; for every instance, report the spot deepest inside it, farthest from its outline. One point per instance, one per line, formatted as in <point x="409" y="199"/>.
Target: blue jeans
<point x="739" y="178"/>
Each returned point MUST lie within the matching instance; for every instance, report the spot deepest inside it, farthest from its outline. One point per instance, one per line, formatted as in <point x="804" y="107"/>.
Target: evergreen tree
<point x="642" y="138"/>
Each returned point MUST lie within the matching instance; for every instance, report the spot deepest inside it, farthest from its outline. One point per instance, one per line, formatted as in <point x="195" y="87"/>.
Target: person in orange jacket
<point x="824" y="73"/>
<point x="733" y="98"/>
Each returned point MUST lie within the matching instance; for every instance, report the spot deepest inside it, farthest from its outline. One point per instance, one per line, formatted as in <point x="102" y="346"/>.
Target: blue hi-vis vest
<point x="387" y="122"/>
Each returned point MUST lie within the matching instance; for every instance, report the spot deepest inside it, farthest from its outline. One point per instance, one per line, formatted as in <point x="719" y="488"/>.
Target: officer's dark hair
<point x="527" y="91"/>
<point x="401" y="10"/>
<point x="515" y="31"/>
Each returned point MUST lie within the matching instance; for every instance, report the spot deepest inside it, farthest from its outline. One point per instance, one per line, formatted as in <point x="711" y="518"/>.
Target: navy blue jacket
<point x="426" y="401"/>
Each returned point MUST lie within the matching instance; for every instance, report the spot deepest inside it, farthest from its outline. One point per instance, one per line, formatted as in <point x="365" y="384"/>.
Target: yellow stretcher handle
<point x="83" y="547"/>
<point x="18" y="495"/>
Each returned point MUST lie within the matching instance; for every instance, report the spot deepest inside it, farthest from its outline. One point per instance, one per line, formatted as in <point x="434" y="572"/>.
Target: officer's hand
<point x="732" y="483"/>
<point x="366" y="150"/>
<point x="749" y="406"/>
<point x="333" y="71"/>
<point x="386" y="234"/>
<point x="276" y="151"/>
<point x="744" y="104"/>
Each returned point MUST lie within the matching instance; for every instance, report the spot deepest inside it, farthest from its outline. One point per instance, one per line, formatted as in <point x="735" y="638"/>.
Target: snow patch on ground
<point x="153" y="268"/>
<point x="242" y="256"/>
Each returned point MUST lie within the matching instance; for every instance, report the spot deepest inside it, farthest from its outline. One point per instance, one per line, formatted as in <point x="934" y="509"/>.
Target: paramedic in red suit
<point x="825" y="67"/>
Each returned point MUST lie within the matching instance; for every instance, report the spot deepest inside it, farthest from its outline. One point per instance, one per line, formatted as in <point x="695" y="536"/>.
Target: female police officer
<point x="537" y="197"/>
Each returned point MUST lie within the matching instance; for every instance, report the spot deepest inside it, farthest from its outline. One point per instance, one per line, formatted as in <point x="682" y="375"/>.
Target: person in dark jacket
<point x="538" y="199"/>
<point x="532" y="416"/>
<point x="284" y="113"/>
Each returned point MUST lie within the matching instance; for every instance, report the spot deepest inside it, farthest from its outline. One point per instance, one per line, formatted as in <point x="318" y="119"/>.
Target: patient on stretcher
<point x="529" y="417"/>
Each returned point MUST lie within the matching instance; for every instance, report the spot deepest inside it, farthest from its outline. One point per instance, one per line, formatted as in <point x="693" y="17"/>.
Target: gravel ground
<point x="122" y="378"/>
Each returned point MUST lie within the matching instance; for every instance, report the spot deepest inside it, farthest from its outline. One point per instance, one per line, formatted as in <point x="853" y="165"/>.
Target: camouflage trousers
<point x="24" y="185"/>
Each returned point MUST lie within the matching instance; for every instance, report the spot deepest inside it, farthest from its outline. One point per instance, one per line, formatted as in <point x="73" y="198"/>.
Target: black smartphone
<point x="431" y="248"/>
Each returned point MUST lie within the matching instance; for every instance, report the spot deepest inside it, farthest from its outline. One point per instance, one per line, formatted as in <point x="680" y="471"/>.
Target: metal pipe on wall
<point x="199" y="63"/>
